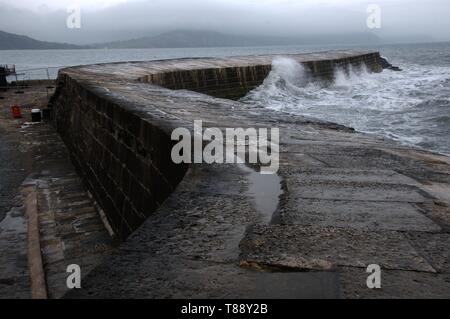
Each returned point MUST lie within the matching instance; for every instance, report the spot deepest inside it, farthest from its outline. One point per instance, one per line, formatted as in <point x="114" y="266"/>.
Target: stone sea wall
<point x="235" y="82"/>
<point x="123" y="159"/>
<point x="117" y="124"/>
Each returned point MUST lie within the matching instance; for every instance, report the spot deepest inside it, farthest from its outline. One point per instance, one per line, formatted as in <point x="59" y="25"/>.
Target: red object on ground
<point x="16" y="112"/>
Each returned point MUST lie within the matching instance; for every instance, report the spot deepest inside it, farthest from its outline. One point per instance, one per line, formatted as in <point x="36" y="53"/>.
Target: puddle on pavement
<point x="266" y="191"/>
<point x="297" y="285"/>
<point x="14" y="221"/>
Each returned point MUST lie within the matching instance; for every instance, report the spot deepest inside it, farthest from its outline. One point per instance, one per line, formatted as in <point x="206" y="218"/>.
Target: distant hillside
<point x="196" y="39"/>
<point x="189" y="39"/>
<point x="10" y="41"/>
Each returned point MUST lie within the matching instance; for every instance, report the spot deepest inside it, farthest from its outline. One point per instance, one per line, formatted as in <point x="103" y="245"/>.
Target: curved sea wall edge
<point x="116" y="120"/>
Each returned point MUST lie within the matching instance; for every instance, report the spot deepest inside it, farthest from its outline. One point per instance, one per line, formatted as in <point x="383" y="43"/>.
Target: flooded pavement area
<point x="14" y="277"/>
<point x="266" y="191"/>
<point x="11" y="171"/>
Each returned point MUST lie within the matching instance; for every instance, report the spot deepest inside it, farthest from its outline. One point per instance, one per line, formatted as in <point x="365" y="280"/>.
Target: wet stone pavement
<point x="14" y="278"/>
<point x="71" y="229"/>
<point x="11" y="173"/>
<point x="349" y="200"/>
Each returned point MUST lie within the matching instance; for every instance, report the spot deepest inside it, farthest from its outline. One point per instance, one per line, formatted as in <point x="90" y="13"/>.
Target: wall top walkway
<point x="135" y="70"/>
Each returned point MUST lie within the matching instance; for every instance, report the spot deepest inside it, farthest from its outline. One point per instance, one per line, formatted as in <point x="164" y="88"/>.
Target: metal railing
<point x="47" y="73"/>
<point x="16" y="78"/>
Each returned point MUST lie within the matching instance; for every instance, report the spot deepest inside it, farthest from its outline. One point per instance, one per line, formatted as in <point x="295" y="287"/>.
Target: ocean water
<point x="412" y="106"/>
<point x="33" y="64"/>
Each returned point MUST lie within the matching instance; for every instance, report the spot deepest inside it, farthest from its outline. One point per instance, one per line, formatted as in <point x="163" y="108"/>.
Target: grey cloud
<point x="273" y="18"/>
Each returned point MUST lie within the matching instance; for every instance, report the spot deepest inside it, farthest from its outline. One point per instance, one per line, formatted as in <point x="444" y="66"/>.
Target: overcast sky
<point x="106" y="20"/>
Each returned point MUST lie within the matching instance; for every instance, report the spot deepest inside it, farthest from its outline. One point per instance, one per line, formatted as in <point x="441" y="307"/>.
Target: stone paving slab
<point x="356" y="192"/>
<point x="434" y="248"/>
<point x="438" y="212"/>
<point x="381" y="159"/>
<point x="191" y="250"/>
<point x="325" y="248"/>
<point x="359" y="215"/>
<point x="395" y="285"/>
<point x="342" y="175"/>
<point x="14" y="275"/>
<point x="196" y="279"/>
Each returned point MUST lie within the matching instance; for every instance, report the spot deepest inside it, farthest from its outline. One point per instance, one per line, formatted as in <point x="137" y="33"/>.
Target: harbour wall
<point x="116" y="120"/>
